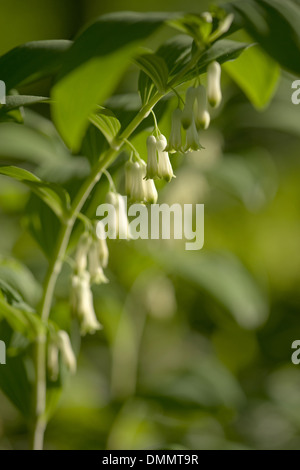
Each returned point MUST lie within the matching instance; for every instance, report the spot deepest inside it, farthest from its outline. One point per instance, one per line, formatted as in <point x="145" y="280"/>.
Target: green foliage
<point x="106" y="45"/>
<point x="173" y="322"/>
<point x="275" y="26"/>
<point x="32" y="61"/>
<point x="53" y="195"/>
<point x="256" y="74"/>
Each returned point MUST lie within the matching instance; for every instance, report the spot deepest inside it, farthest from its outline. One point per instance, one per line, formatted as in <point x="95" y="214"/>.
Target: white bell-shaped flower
<point x="207" y="16"/>
<point x="175" y="140"/>
<point x="165" y="170"/>
<point x="202" y="117"/>
<point x="151" y="194"/>
<point x="103" y="253"/>
<point x="67" y="352"/>
<point x="192" y="139"/>
<point x="119" y="223"/>
<point x="82" y="252"/>
<point x="95" y="268"/>
<point x="52" y="360"/>
<point x="214" y="92"/>
<point x="138" y="183"/>
<point x="82" y="300"/>
<point x="152" y="163"/>
<point x="188" y="110"/>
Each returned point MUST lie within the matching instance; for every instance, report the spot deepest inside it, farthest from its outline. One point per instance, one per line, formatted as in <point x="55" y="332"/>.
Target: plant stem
<point x="56" y="265"/>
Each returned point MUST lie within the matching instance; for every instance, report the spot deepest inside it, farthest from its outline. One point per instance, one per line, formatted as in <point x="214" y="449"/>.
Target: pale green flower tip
<point x="151" y="174"/>
<point x="165" y="170"/>
<point x="169" y="177"/>
<point x="99" y="277"/>
<point x="215" y="102"/>
<point x="90" y="329"/>
<point x="186" y="122"/>
<point x="203" y="122"/>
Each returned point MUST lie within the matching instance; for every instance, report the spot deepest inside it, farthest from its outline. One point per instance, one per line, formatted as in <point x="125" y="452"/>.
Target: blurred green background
<point x="196" y="347"/>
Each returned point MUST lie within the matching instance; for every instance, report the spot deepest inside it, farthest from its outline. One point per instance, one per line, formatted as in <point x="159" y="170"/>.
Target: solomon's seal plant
<point x="89" y="130"/>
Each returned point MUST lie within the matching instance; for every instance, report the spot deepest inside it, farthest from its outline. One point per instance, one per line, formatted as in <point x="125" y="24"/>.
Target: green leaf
<point x="53" y="195"/>
<point x="94" y="143"/>
<point x="222" y="51"/>
<point x="21" y="280"/>
<point x="15" y="317"/>
<point x="32" y="61"/>
<point x="176" y="52"/>
<point x="157" y="72"/>
<point x="15" y="384"/>
<point x="25" y="144"/>
<point x="251" y="178"/>
<point x="193" y="25"/>
<point x="94" y="66"/>
<point x="42" y="224"/>
<point x="274" y="24"/>
<point x="16" y="101"/>
<point x="107" y="123"/>
<point x="26" y="323"/>
<point x="256" y="74"/>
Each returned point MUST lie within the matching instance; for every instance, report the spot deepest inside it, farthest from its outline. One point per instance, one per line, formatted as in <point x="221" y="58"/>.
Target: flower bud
<point x="175" y="143"/>
<point x="152" y="164"/>
<point x="52" y="361"/>
<point x="202" y="117"/>
<point x="225" y="24"/>
<point x="206" y="120"/>
<point x="65" y="347"/>
<point x="214" y="92"/>
<point x="81" y="252"/>
<point x="95" y="268"/>
<point x="82" y="302"/>
<point x="207" y="17"/>
<point x="188" y="110"/>
<point x="103" y="253"/>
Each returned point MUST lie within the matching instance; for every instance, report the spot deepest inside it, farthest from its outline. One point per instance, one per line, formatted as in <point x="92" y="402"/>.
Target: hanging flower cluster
<point x="138" y="188"/>
<point x="90" y="259"/>
<point x="119" y="225"/>
<point x="60" y="344"/>
<point x="195" y="115"/>
<point x="92" y="254"/>
<point x="158" y="162"/>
